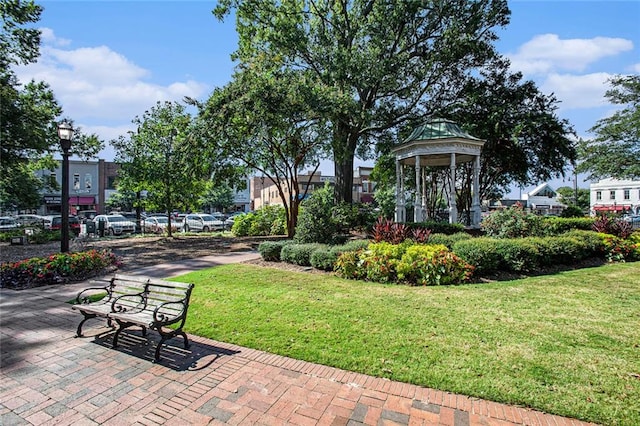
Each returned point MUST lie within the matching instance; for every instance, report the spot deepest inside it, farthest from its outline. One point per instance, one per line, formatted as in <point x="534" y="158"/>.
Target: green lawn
<point x="567" y="344"/>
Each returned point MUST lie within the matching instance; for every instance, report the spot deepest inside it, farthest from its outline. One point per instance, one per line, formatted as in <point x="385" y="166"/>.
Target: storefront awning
<point x="614" y="208"/>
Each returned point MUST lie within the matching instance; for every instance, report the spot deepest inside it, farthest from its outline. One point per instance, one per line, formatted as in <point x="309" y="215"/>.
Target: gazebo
<point x="437" y="143"/>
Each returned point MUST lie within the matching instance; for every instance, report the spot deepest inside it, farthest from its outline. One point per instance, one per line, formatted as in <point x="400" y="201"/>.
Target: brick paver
<point x="49" y="377"/>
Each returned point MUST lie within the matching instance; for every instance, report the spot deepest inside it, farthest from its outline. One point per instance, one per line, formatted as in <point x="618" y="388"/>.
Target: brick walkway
<point x="49" y="377"/>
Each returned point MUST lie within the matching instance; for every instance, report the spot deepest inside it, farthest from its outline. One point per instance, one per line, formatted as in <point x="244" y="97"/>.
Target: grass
<point x="567" y="344"/>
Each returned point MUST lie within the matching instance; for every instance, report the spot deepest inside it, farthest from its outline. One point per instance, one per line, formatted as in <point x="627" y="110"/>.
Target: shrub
<point x="270" y="250"/>
<point x="242" y="224"/>
<point x="348" y="265"/>
<point x="448" y="240"/>
<point x="572" y="211"/>
<point x="560" y="225"/>
<point x="326" y="259"/>
<point x="517" y="255"/>
<point x="353" y="216"/>
<point x="389" y="231"/>
<point x="613" y="226"/>
<point x="299" y="254"/>
<point x="481" y="253"/>
<point x="380" y="260"/>
<point x="432" y="265"/>
<point x="620" y="250"/>
<point x="593" y="242"/>
<point x="512" y="222"/>
<point x="438" y="227"/>
<point x="56" y="269"/>
<point x="315" y="221"/>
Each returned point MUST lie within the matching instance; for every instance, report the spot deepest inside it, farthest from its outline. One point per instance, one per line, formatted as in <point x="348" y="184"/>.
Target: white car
<point x="8" y="223"/>
<point x="199" y="222"/>
<point x="159" y="224"/>
<point x="114" y="224"/>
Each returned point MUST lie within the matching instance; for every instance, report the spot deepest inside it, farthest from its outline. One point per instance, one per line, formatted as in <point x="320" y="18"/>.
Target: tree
<point x="615" y="150"/>
<point x="567" y="195"/>
<point x="269" y="122"/>
<point x="526" y="142"/>
<point x="163" y="158"/>
<point x="220" y="197"/>
<point x="122" y="201"/>
<point x="379" y="64"/>
<point x="28" y="128"/>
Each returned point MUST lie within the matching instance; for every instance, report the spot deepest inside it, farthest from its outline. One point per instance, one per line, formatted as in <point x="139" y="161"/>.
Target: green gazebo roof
<point x="438" y="128"/>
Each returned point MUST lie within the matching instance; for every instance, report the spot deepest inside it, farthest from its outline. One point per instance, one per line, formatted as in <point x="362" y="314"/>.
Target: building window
<point x="53" y="180"/>
<point x="612" y="195"/>
<point x="365" y="186"/>
<point x="627" y="194"/>
<point x="598" y="195"/>
<point x="76" y="181"/>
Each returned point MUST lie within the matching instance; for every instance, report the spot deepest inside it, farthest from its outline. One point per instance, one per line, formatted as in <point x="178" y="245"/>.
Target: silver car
<point x="114" y="224"/>
<point x="159" y="224"/>
<point x="198" y="222"/>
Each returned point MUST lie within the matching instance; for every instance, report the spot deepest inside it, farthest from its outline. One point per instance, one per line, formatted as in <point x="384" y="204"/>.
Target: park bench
<point x="138" y="301"/>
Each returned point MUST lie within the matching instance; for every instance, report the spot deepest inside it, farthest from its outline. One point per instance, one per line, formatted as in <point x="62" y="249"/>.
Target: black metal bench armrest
<point x="137" y="300"/>
<point x="163" y="318"/>
<point x="80" y="299"/>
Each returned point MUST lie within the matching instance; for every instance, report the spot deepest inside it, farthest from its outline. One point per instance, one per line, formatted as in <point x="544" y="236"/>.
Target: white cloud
<point x="548" y="53"/>
<point x="100" y="87"/>
<point x="635" y="68"/>
<point x="578" y="91"/>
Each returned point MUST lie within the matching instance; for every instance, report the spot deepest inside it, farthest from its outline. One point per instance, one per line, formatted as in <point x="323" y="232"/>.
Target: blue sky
<point x="109" y="61"/>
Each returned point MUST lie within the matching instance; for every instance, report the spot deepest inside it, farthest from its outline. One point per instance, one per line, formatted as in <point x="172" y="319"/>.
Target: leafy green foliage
<point x="163" y="157"/>
<point x="375" y="65"/>
<point x="615" y="150"/>
<point x="560" y="225"/>
<point x="268" y="220"/>
<point x="270" y="250"/>
<point x="299" y="254"/>
<point x="481" y="253"/>
<point x="512" y="222"/>
<point x="567" y="195"/>
<point x="316" y="223"/>
<point x="432" y="265"/>
<point x="448" y="240"/>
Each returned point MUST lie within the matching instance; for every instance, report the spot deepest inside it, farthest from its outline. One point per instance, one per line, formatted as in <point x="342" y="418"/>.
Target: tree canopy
<point x="271" y="123"/>
<point x="378" y="63"/>
<point x="162" y="157"/>
<point x="615" y="150"/>
<point x="28" y="127"/>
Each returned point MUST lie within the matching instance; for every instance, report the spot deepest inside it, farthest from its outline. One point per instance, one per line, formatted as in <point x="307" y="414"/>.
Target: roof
<point x="540" y="188"/>
<point x="438" y="128"/>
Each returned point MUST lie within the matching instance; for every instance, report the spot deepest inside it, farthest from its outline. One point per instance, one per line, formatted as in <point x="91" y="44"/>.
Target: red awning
<point x="614" y="208"/>
<point x="81" y="200"/>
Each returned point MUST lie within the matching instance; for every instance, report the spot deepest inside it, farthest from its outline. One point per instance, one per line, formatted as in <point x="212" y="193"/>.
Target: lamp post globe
<point x="65" y="134"/>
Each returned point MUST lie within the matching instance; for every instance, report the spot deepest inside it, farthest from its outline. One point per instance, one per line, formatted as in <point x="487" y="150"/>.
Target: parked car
<point x="159" y="224"/>
<point x="29" y="220"/>
<point x="228" y="223"/>
<point x="633" y="219"/>
<point x="8" y="223"/>
<point x="114" y="224"/>
<point x="198" y="222"/>
<point x="54" y="223"/>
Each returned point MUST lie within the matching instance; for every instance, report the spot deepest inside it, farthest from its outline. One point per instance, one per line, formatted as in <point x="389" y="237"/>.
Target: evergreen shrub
<point x="299" y="254"/>
<point x="517" y="255"/>
<point x="479" y="252"/>
<point x="559" y="225"/>
<point x="432" y="264"/>
<point x="270" y="250"/>
<point x="448" y="240"/>
<point x="512" y="222"/>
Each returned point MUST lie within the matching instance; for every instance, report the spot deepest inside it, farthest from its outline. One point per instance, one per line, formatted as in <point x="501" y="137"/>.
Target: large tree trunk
<point x="345" y="140"/>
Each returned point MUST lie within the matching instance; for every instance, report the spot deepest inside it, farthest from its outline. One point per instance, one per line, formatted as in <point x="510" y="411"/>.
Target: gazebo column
<point x="453" y="208"/>
<point x="401" y="211"/>
<point x="417" y="205"/>
<point x="475" y="221"/>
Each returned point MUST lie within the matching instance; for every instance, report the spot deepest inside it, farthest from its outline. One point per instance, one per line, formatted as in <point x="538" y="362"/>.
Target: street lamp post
<point x="65" y="133"/>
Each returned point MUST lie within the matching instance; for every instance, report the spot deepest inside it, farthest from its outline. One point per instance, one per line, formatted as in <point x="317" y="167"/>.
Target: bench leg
<point x="167" y="336"/>
<point x="79" y="330"/>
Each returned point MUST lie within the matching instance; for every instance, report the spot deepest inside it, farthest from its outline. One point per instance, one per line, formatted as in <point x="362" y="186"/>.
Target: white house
<point x="614" y="195"/>
<point x="543" y="200"/>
